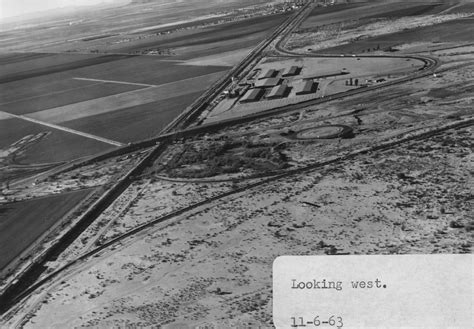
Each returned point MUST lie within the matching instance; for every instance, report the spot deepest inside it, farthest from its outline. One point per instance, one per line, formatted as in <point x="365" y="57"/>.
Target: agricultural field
<point x="57" y="99"/>
<point x="57" y="146"/>
<point x="94" y="93"/>
<point x="130" y="25"/>
<point x="221" y="38"/>
<point x="52" y="64"/>
<point x="134" y="123"/>
<point x="22" y="223"/>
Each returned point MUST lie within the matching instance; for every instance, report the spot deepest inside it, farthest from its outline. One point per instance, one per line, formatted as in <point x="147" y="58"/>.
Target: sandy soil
<point x="142" y="203"/>
<point x="214" y="267"/>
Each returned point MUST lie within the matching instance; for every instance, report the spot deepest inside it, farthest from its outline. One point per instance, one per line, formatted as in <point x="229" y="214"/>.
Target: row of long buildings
<point x="279" y="91"/>
<point x="271" y="84"/>
<point x="287" y="72"/>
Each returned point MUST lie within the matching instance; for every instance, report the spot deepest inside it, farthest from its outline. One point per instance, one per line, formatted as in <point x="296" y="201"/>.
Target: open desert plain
<point x="156" y="156"/>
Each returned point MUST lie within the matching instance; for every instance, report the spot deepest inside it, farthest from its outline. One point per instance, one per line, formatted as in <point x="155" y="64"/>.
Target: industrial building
<point x="268" y="83"/>
<point x="308" y="87"/>
<point x="268" y="74"/>
<point x="291" y="71"/>
<point x="252" y="95"/>
<point x="278" y="92"/>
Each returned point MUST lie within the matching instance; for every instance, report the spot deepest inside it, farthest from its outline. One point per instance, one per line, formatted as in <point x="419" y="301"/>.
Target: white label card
<point x="383" y="291"/>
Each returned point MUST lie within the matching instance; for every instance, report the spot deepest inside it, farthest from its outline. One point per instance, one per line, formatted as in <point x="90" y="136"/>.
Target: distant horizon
<point x="16" y="9"/>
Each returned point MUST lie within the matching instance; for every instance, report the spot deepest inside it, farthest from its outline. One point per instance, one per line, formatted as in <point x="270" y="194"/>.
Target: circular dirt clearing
<point x="324" y="132"/>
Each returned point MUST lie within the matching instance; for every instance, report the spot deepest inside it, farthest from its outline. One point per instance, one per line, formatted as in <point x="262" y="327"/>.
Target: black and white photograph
<point x="214" y="164"/>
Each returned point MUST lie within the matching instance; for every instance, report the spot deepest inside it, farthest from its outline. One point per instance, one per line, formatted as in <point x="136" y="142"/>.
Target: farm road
<point x="72" y="131"/>
<point x="125" y="100"/>
<point x="117" y="82"/>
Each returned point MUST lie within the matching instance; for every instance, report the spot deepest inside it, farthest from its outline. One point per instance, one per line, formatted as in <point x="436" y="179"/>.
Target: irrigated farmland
<point x="147" y="70"/>
<point x="36" y="69"/>
<point x="23" y="222"/>
<point x="86" y="91"/>
<point x="213" y="39"/>
<point x="76" y="93"/>
<point x="70" y="96"/>
<point x="56" y="147"/>
<point x="133" y="123"/>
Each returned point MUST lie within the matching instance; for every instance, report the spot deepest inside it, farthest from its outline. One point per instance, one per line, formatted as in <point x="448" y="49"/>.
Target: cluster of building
<point x="271" y="84"/>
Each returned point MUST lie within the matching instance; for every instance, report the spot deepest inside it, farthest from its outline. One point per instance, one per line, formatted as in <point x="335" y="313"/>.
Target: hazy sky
<point x="9" y="8"/>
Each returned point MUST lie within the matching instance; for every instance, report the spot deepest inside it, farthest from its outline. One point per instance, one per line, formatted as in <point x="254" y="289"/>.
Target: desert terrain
<point x="180" y="229"/>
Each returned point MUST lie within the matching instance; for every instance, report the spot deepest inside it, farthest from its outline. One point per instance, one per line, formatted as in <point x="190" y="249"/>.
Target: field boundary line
<point x="189" y="79"/>
<point x="116" y="82"/>
<point x="123" y="100"/>
<point x="69" y="130"/>
<point x="152" y="86"/>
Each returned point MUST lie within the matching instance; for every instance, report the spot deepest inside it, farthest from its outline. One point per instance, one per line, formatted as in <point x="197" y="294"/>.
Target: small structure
<point x="252" y="95"/>
<point x="291" y="71"/>
<point x="267" y="83"/>
<point x="308" y="87"/>
<point x="327" y="75"/>
<point x="268" y="74"/>
<point x="278" y="92"/>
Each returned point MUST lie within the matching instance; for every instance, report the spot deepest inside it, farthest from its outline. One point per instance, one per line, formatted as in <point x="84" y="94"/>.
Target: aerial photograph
<point x="157" y="156"/>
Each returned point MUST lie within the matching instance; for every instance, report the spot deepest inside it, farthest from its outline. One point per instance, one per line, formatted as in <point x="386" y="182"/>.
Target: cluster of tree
<point x="228" y="157"/>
